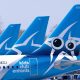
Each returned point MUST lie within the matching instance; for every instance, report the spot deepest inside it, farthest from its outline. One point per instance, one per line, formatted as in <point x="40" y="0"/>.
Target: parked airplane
<point x="32" y="38"/>
<point x="8" y="38"/>
<point x="59" y="54"/>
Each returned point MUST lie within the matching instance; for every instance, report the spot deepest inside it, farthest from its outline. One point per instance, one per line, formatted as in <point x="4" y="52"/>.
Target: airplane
<point x="8" y="37"/>
<point x="59" y="54"/>
<point x="32" y="38"/>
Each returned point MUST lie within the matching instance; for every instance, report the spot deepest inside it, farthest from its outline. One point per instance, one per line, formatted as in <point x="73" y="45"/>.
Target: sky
<point x="25" y="11"/>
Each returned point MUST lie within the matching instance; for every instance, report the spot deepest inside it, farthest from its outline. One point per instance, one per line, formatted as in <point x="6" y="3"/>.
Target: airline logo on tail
<point x="56" y="43"/>
<point x="4" y="42"/>
<point x="19" y="52"/>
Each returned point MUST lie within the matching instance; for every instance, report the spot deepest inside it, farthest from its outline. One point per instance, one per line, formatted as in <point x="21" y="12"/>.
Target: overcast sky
<point x="24" y="11"/>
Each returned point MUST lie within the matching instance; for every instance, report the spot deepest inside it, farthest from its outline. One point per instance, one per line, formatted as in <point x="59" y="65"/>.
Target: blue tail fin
<point x="68" y="29"/>
<point x="63" y="44"/>
<point x="32" y="38"/>
<point x="8" y="38"/>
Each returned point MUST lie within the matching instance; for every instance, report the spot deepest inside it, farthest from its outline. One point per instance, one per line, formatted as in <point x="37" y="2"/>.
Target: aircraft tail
<point x="32" y="38"/>
<point x="63" y="44"/>
<point x="8" y="38"/>
<point x="68" y="29"/>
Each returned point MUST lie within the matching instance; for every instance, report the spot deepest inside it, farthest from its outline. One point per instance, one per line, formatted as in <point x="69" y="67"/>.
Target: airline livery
<point x="32" y="38"/>
<point x="8" y="38"/>
<point x="58" y="54"/>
